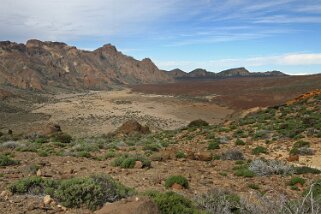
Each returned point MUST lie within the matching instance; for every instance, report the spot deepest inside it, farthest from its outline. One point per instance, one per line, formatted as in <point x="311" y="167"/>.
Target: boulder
<point x="131" y="127"/>
<point x="134" y="205"/>
<point x="203" y="156"/>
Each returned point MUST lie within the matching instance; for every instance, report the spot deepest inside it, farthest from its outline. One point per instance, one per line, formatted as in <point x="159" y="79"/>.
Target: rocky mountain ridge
<point x="39" y="65"/>
<point x="200" y="73"/>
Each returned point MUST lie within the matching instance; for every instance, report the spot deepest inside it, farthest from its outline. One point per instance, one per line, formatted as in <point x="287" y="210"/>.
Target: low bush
<point x="270" y="167"/>
<point x="219" y="201"/>
<point x="254" y="186"/>
<point x="301" y="148"/>
<point x="296" y="180"/>
<point x="6" y="160"/>
<point x="128" y="161"/>
<point x="213" y="145"/>
<point x="181" y="180"/>
<point x="92" y="192"/>
<point x="180" y="154"/>
<point x="172" y="203"/>
<point x="243" y="171"/>
<point x="259" y="150"/>
<point x="197" y="123"/>
<point x="232" y="155"/>
<point x="239" y="142"/>
<point x="152" y="147"/>
<point x="61" y="137"/>
<point x="306" y="170"/>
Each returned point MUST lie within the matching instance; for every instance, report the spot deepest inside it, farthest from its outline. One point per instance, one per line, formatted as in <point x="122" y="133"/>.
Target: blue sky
<point x="212" y="34"/>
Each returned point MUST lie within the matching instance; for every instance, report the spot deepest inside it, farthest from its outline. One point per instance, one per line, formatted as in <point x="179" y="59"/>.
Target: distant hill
<point x="230" y="73"/>
<point x="40" y="65"/>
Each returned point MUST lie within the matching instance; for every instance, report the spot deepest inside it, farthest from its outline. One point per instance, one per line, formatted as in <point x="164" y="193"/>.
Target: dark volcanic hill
<point x="38" y="65"/>
<point x="230" y="73"/>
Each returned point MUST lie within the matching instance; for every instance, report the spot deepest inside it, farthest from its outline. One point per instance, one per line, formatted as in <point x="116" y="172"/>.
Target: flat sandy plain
<point x="99" y="112"/>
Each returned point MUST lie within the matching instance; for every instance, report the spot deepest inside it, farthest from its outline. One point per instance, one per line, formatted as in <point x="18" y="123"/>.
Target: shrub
<point x="254" y="186"/>
<point x="296" y="180"/>
<point x="62" y="137"/>
<point x="178" y="180"/>
<point x="172" y="203"/>
<point x="10" y="144"/>
<point x="239" y="142"/>
<point x="110" y="154"/>
<point x="306" y="170"/>
<point x="219" y="201"/>
<point x="197" y="123"/>
<point x="244" y="172"/>
<point x="259" y="150"/>
<point x="301" y="148"/>
<point x="92" y="192"/>
<point x="128" y="161"/>
<point x="213" y="145"/>
<point x="270" y="167"/>
<point x="152" y="147"/>
<point x="232" y="155"/>
<point x="41" y="140"/>
<point x="5" y="160"/>
<point x="180" y="154"/>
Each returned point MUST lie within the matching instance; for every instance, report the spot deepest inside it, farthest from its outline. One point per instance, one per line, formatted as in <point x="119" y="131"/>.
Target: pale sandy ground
<point x="100" y="112"/>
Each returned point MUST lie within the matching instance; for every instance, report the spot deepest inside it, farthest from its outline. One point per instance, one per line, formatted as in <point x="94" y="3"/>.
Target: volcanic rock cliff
<point x="39" y="65"/>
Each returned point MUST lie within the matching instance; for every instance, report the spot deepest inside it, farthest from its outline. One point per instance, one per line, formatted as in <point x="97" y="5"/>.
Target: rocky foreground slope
<point x="41" y="65"/>
<point x="265" y="162"/>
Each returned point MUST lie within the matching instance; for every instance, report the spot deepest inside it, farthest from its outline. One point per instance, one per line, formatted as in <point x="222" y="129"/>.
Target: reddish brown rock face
<point x="38" y="64"/>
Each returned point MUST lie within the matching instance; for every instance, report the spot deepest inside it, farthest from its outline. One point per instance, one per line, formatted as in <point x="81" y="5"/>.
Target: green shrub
<point x="33" y="185"/>
<point x="254" y="186"/>
<point x="296" y="180"/>
<point x="181" y="180"/>
<point x="128" y="161"/>
<point x="197" y="123"/>
<point x="259" y="150"/>
<point x="152" y="147"/>
<point x="180" y="154"/>
<point x="243" y="171"/>
<point x="239" y="142"/>
<point x="298" y="146"/>
<point x="61" y="137"/>
<point x="172" y="203"/>
<point x="306" y="170"/>
<point x="6" y="160"/>
<point x="41" y="140"/>
<point x="110" y="154"/>
<point x="91" y="192"/>
<point x="213" y="145"/>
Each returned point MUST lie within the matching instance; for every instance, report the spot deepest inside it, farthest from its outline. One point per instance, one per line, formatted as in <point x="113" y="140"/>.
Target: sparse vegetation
<point x="129" y="161"/>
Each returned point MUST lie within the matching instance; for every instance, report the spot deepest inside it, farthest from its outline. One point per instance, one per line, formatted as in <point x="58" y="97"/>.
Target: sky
<point x="215" y="35"/>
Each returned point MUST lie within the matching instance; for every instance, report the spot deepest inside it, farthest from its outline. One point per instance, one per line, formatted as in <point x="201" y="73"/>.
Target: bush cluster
<point x="92" y="192"/>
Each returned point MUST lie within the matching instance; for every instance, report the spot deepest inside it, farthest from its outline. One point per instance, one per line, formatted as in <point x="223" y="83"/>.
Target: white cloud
<point x="67" y="20"/>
